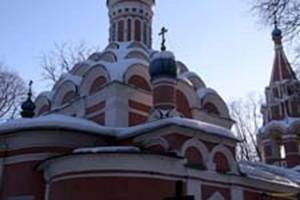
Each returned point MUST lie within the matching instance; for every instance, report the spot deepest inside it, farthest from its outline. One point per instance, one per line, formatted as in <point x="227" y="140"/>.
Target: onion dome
<point x="276" y="32"/>
<point x="28" y="106"/>
<point x="163" y="64"/>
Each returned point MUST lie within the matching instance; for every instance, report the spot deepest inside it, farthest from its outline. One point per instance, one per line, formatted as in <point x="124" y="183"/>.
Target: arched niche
<point x="66" y="92"/>
<point x="214" y="104"/>
<point x="108" y="56"/>
<point x="137" y="55"/>
<point x="196" y="153"/>
<point x="194" y="79"/>
<point x="94" y="80"/>
<point x="189" y="94"/>
<point x="137" y="75"/>
<point x="43" y="104"/>
<point x="222" y="155"/>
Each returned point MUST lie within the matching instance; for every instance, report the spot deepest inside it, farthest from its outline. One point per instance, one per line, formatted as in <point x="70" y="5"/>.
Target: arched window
<point x="121" y="31"/>
<point x="69" y="96"/>
<point x="129" y="29"/>
<point x="194" y="158"/>
<point x="221" y="162"/>
<point x="278" y="149"/>
<point x="139" y="82"/>
<point x="137" y="30"/>
<point x="211" y="109"/>
<point x="97" y="84"/>
<point x="145" y="33"/>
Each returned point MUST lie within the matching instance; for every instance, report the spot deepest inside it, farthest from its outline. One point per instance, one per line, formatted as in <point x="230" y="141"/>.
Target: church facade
<point x="132" y="122"/>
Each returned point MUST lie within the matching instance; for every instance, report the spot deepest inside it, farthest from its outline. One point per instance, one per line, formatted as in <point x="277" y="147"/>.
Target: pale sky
<point x="218" y="39"/>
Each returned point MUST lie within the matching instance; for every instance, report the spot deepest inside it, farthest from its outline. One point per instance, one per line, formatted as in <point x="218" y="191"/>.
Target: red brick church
<point x="133" y="123"/>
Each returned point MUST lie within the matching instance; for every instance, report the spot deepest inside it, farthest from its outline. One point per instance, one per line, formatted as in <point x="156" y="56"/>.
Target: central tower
<point x="131" y="20"/>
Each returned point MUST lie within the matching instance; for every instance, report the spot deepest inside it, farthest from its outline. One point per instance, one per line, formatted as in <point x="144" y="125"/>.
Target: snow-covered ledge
<point x="109" y="149"/>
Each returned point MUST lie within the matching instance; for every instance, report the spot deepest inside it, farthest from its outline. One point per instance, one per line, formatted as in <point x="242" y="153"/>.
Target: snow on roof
<point x="117" y="69"/>
<point x="285" y="124"/>
<point x="162" y="54"/>
<point x="108" y="149"/>
<point x="202" y="92"/>
<point x="297" y="168"/>
<point x="74" y="123"/>
<point x="183" y="122"/>
<point x="55" y="121"/>
<point x="270" y="173"/>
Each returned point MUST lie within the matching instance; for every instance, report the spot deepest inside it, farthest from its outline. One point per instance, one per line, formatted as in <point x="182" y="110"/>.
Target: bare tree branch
<point x="247" y="115"/>
<point x="61" y="60"/>
<point x="12" y="91"/>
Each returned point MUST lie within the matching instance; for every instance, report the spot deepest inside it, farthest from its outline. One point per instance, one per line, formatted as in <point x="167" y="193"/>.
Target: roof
<point x="270" y="173"/>
<point x="282" y="69"/>
<point x="74" y="123"/>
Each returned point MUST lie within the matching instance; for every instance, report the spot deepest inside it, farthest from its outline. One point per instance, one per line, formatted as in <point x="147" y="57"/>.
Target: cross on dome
<point x="163" y="35"/>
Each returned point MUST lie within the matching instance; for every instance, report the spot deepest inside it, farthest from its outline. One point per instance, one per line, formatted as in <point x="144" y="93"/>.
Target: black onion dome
<point x="276" y="32"/>
<point x="163" y="64"/>
<point x="28" y="108"/>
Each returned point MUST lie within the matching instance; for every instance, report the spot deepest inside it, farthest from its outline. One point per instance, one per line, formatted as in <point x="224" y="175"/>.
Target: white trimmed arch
<point x="227" y="153"/>
<point x="91" y="75"/>
<point x="189" y="93"/>
<point x="218" y="102"/>
<point x="64" y="88"/>
<point x="137" y="69"/>
<point x="200" y="146"/>
<point x="157" y="141"/>
<point x="108" y="56"/>
<point x="41" y="102"/>
<point x="136" y="54"/>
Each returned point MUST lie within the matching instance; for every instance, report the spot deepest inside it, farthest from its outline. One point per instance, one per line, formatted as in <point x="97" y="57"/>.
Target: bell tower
<point x="279" y="137"/>
<point x="131" y="20"/>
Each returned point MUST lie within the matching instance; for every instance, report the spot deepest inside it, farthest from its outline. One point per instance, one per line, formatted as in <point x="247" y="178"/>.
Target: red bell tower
<point x="280" y="135"/>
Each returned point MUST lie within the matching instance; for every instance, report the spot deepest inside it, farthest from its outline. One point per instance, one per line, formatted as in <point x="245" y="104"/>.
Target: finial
<point x="30" y="88"/>
<point x="28" y="106"/>
<point x="163" y="34"/>
<point x="277" y="33"/>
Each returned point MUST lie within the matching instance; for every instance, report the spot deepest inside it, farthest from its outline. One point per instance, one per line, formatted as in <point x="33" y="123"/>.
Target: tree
<point x="248" y="121"/>
<point x="61" y="60"/>
<point x="12" y="92"/>
<point x="287" y="14"/>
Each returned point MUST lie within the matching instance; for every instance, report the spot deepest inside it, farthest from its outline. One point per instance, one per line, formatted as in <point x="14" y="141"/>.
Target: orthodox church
<point x="131" y="122"/>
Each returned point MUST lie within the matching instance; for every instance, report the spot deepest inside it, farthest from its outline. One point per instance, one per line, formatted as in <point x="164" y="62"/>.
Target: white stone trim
<point x="28" y="157"/>
<point x="194" y="188"/>
<point x="237" y="193"/>
<point x="227" y="153"/>
<point x="194" y="142"/>
<point x="147" y="165"/>
<point x="216" y="196"/>
<point x="157" y="141"/>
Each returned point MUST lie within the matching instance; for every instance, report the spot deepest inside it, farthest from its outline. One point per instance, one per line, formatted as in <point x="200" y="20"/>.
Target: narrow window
<point x="121" y="31"/>
<point x="145" y="33"/>
<point x="129" y="29"/>
<point x="137" y="32"/>
<point x="282" y="151"/>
